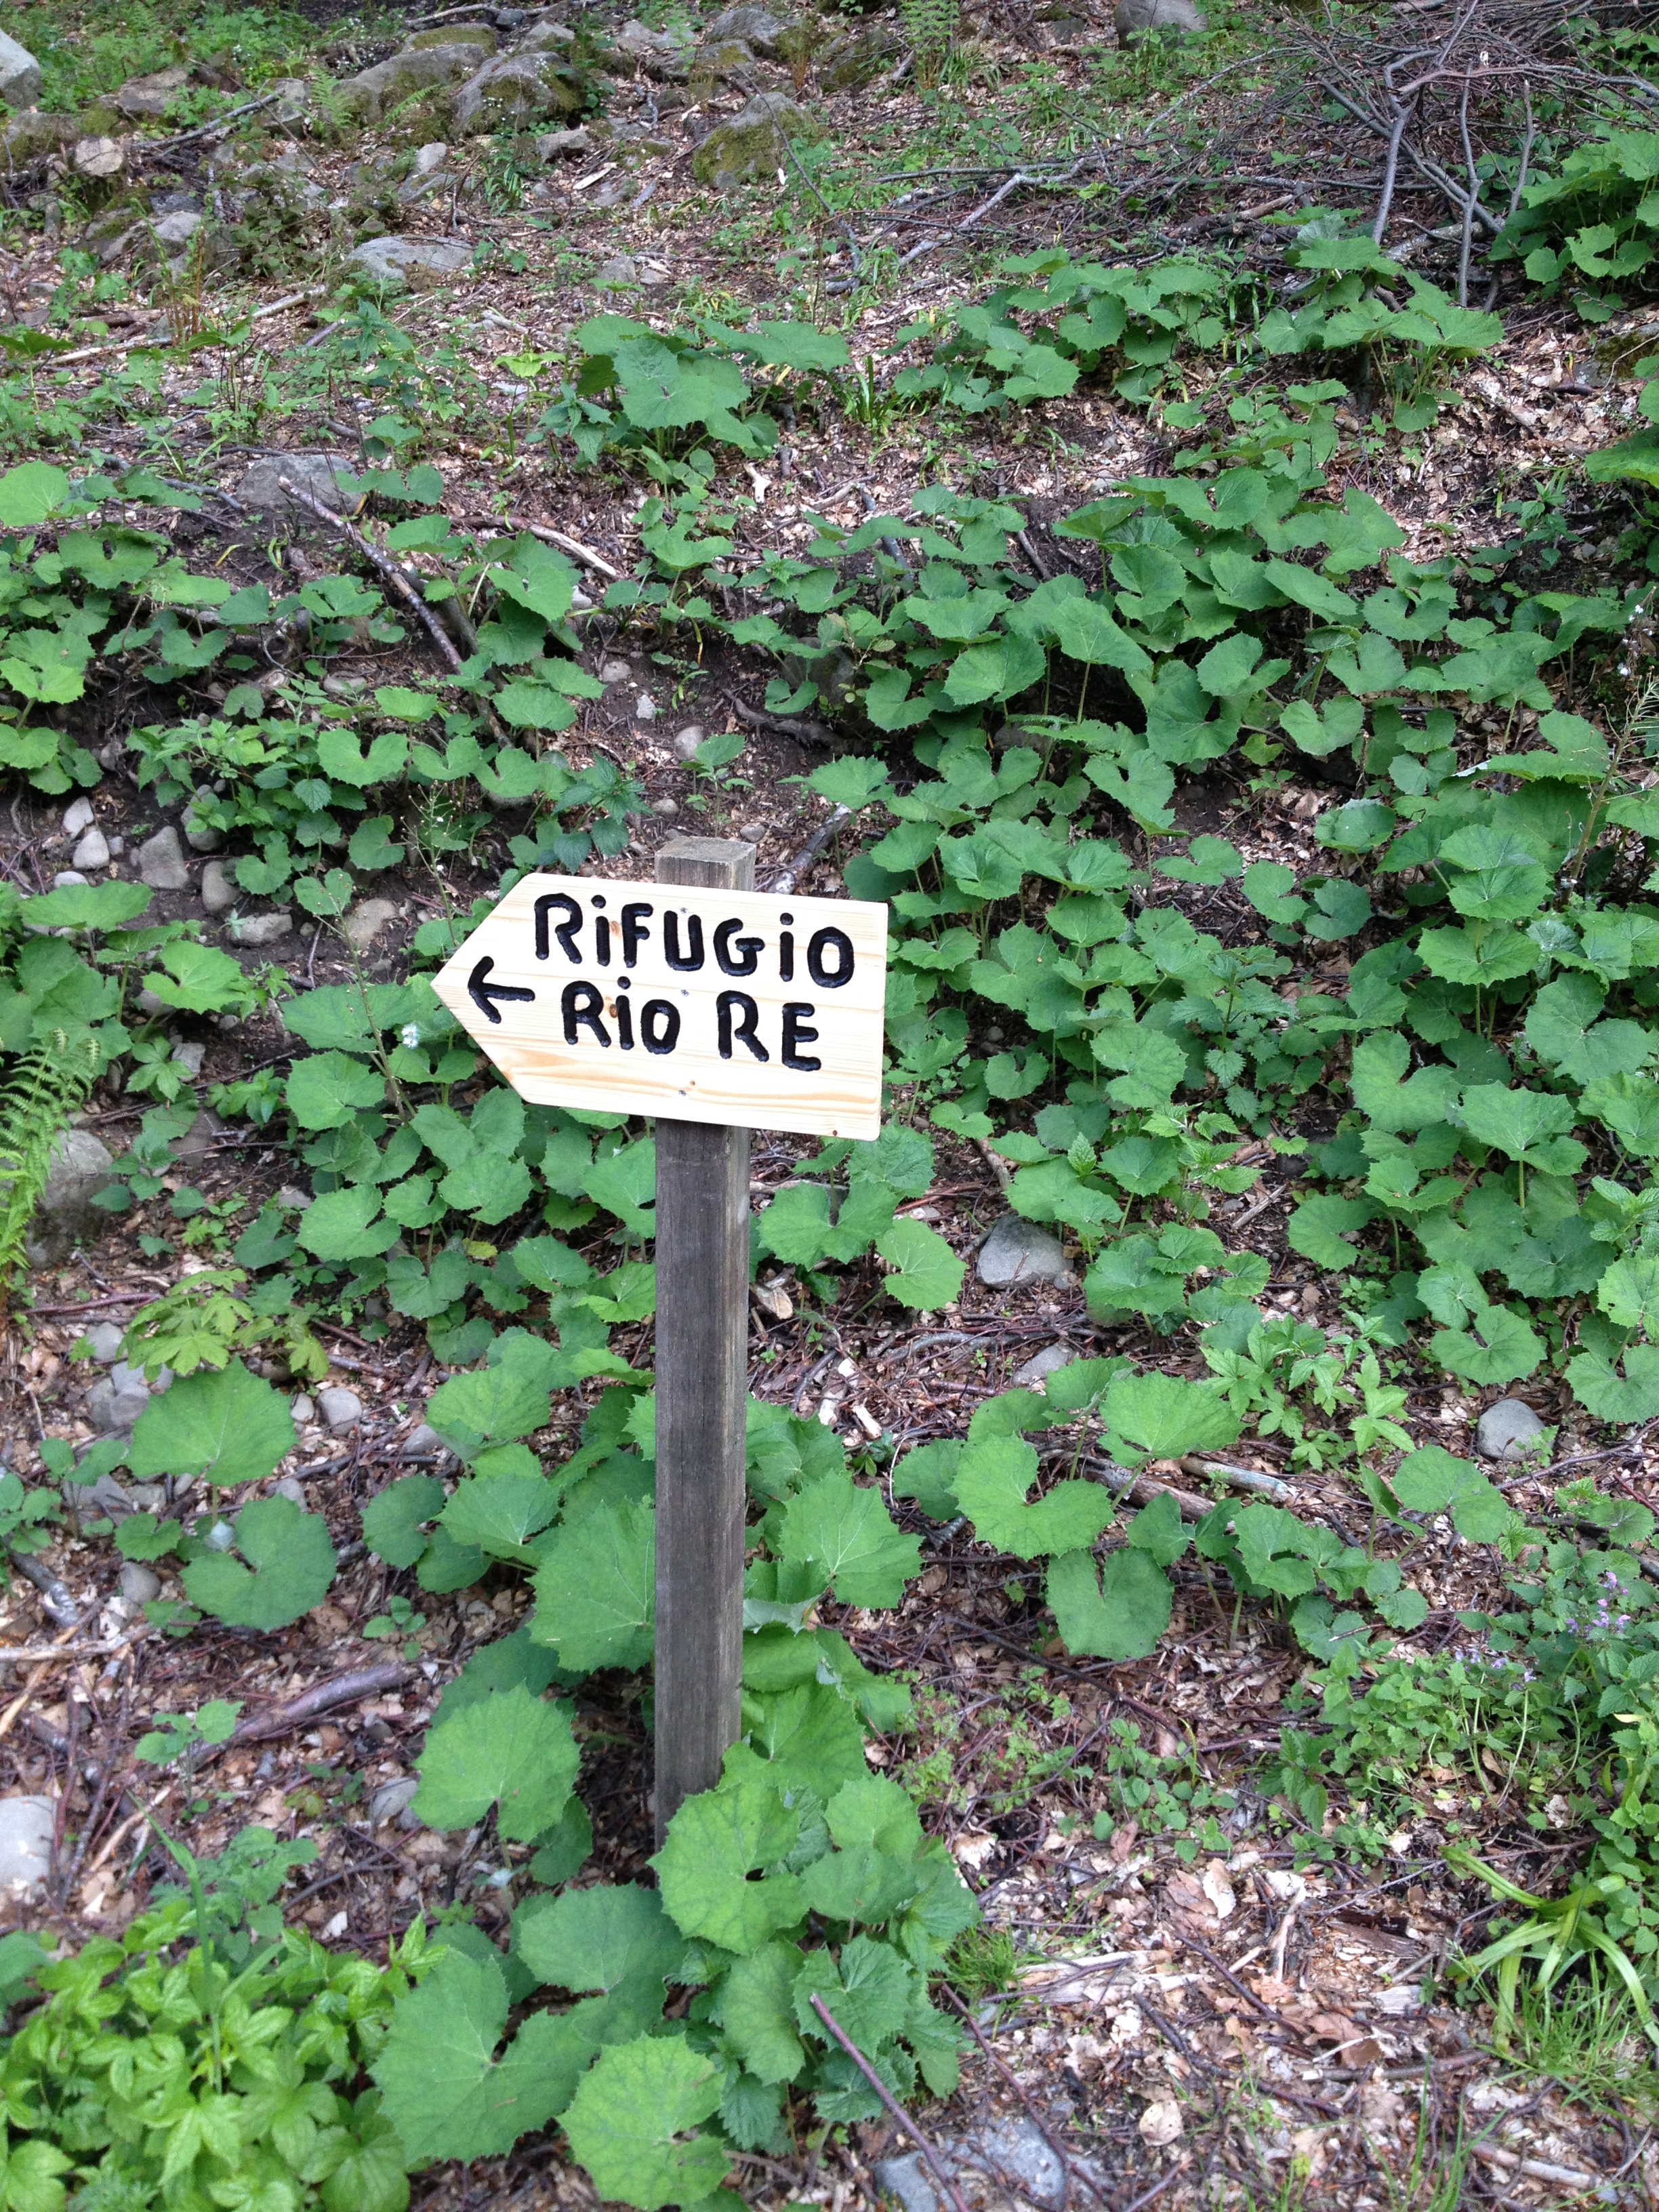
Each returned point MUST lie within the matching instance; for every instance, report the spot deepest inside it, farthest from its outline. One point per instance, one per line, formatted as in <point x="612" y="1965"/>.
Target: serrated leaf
<point x="868" y="1989"/>
<point x="500" y="1513"/>
<point x="200" y="980"/>
<point x="992" y="1481"/>
<point x="844" y="1532"/>
<point x="596" y="1588"/>
<point x="1433" y="1480"/>
<point x="862" y="1885"/>
<point x="1322" y="1228"/>
<point x="223" y="1425"/>
<point x="1530" y="1125"/>
<point x="1498" y="1345"/>
<point x="1167" y="1417"/>
<point x="1610" y="1396"/>
<point x="339" y="756"/>
<point x="290" y="1566"/>
<point x="346" y="1224"/>
<point x="86" y="906"/>
<point x="393" y="1522"/>
<point x="928" y="1475"/>
<point x="512" y="1749"/>
<point x="327" y="1090"/>
<point x="489" y="1406"/>
<point x="447" y="2093"/>
<point x="30" y="493"/>
<point x="1121" y="1615"/>
<point x="625" y="1184"/>
<point x="716" y="1843"/>
<point x="629" y="2124"/>
<point x="616" y="1941"/>
<point x="757" y="2011"/>
<point x="929" y="1272"/>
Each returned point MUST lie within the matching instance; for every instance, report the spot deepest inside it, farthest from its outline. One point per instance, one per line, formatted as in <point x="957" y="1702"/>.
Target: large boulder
<point x="412" y="260"/>
<point x="150" y="95"/>
<point x="372" y="96"/>
<point x="661" y="53"/>
<point x="451" y="35"/>
<point x="20" y="74"/>
<point x="853" y="60"/>
<point x="759" y="29"/>
<point x="520" y="87"/>
<point x="64" y="1215"/>
<point x="754" y="144"/>
<point x="1176" y="18"/>
<point x="29" y="135"/>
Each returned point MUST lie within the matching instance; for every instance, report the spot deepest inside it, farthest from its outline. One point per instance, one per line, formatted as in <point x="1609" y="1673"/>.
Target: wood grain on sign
<point x="708" y="1005"/>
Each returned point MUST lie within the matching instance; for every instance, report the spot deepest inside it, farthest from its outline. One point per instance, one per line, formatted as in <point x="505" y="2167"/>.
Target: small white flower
<point x="411" y="1034"/>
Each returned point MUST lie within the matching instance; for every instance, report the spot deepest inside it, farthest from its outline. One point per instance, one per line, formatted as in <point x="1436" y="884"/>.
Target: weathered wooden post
<point x="702" y="1341"/>
<point x="718" y="1009"/>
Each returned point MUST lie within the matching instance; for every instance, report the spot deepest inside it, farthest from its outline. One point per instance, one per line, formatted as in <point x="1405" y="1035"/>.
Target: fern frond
<point x="51" y="1082"/>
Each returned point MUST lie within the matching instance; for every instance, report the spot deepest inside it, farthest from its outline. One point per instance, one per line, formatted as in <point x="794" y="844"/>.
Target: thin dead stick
<point x="326" y="1697"/>
<point x="57" y="1601"/>
<point x="387" y="569"/>
<point x="786" y="880"/>
<point x="1070" y="2165"/>
<point x="8" y="1717"/>
<point x="131" y="346"/>
<point x="106" y="1775"/>
<point x="29" y="1655"/>
<point x="1401" y="120"/>
<point x="561" y="539"/>
<point x="895" y="2110"/>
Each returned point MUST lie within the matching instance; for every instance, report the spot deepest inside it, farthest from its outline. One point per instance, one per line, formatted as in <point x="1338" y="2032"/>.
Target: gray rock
<point x="687" y="740"/>
<point x="1135" y="18"/>
<point x="66" y="877"/>
<point x="339" y="1407"/>
<point x="189" y="1055"/>
<point x="20" y="74"/>
<point x="64" y="1215"/>
<point x="289" y="1487"/>
<point x="664" y="53"/>
<point x="175" y="231"/>
<point x="1018" y="1251"/>
<point x="860" y="55"/>
<point x="755" y="143"/>
<point x="107" y="1496"/>
<point x="645" y="707"/>
<point x="665" y="808"/>
<point x="218" y="892"/>
<point x="519" y="88"/>
<point x="104" y="1337"/>
<point x="366" y="922"/>
<point x="98" y="159"/>
<point x="259" y="929"/>
<point x="391" y="1800"/>
<point x="327" y="477"/>
<point x="77" y="816"/>
<point x="478" y="36"/>
<point x="303" y="1409"/>
<point x="411" y="260"/>
<point x="139" y="1583"/>
<point x="26" y="1824"/>
<point x="1013" y="2146"/>
<point x="429" y="158"/>
<point x="759" y="30"/>
<point x="199" y="836"/>
<point x="161" y="861"/>
<point x="200" y="1138"/>
<point x="423" y="1441"/>
<point x="552" y="143"/>
<point x="149" y="96"/>
<point x="113" y="1412"/>
<point x="544" y="36"/>
<point x="292" y="98"/>
<point x="1508" y="1431"/>
<point x="616" y="672"/>
<point x="91" y="851"/>
<point x="1041" y="1365"/>
<point x="368" y="97"/>
<point x="621" y="268"/>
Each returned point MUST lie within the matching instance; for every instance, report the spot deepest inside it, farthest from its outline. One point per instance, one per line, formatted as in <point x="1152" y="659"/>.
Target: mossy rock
<point x="451" y="34"/>
<point x="521" y="87"/>
<point x="854" y="61"/>
<point x="754" y="144"/>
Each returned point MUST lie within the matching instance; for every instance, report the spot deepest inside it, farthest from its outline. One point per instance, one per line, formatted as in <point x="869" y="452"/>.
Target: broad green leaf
<point x="844" y="1532"/>
<point x="446" y="2091"/>
<point x="1629" y="1293"/>
<point x="928" y="1475"/>
<point x="1610" y="1396"/>
<point x="631" y="2123"/>
<point x="339" y="756"/>
<point x="927" y="1274"/>
<point x="290" y="1566"/>
<point x="393" y="1522"/>
<point x="616" y="1941"/>
<point x="500" y="1513"/>
<point x="31" y="493"/>
<point x="992" y="1478"/>
<point x="1167" y="1417"/>
<point x="596" y="1588"/>
<point x="1432" y="1480"/>
<point x="1530" y="1125"/>
<point x="344" y="1224"/>
<point x="87" y="906"/>
<point x="328" y="1090"/>
<point x="222" y="1425"/>
<point x="198" y="979"/>
<point x="716" y="1843"/>
<point x="757" y="2011"/>
<point x="1322" y="1229"/>
<point x="868" y="1992"/>
<point x="399" y="704"/>
<point x="1121" y="1615"/>
<point x="1496" y="1346"/>
<point x="513" y="1750"/>
<point x="489" y="1406"/>
<point x="625" y="1183"/>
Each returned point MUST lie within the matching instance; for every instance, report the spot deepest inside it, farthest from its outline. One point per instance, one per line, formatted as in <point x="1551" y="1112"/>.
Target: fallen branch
<point x="1242" y="1478"/>
<point x="782" y="726"/>
<point x="385" y="569"/>
<point x="130" y="345"/>
<point x="161" y="147"/>
<point x="786" y="880"/>
<point x="326" y="1697"/>
<point x="948" y="2190"/>
<point x="545" y="531"/>
<point x="56" y="1602"/>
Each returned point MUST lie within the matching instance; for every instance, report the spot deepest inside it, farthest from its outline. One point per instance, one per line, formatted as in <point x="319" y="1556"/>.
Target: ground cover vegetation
<point x="1256" y="754"/>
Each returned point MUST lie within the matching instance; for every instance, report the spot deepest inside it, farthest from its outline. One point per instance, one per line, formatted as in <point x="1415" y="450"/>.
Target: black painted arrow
<point x="483" y="992"/>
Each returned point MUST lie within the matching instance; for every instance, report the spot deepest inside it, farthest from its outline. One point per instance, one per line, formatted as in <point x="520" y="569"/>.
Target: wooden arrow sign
<point x="725" y="1006"/>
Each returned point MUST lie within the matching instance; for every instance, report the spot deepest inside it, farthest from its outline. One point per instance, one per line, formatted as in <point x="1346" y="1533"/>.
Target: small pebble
<point x="77" y="816"/>
<point x="105" y="1338"/>
<point x="667" y="808"/>
<point x="66" y="877"/>
<point x="190" y="1055"/>
<point x="645" y="707"/>
<point x="687" y="740"/>
<point x="616" y="672"/>
<point x="339" y="1407"/>
<point x="303" y="1409"/>
<point x="289" y="1487"/>
<point x="92" y="851"/>
<point x="139" y="1583"/>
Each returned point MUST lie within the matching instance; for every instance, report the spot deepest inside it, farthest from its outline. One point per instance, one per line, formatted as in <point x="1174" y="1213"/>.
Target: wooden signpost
<point x="720" y="1010"/>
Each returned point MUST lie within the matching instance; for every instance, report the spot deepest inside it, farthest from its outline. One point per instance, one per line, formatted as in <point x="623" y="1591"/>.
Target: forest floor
<point x="1211" y="2006"/>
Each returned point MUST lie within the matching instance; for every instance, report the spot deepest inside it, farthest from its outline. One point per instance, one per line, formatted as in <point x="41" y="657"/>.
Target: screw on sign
<point x="720" y="1010"/>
